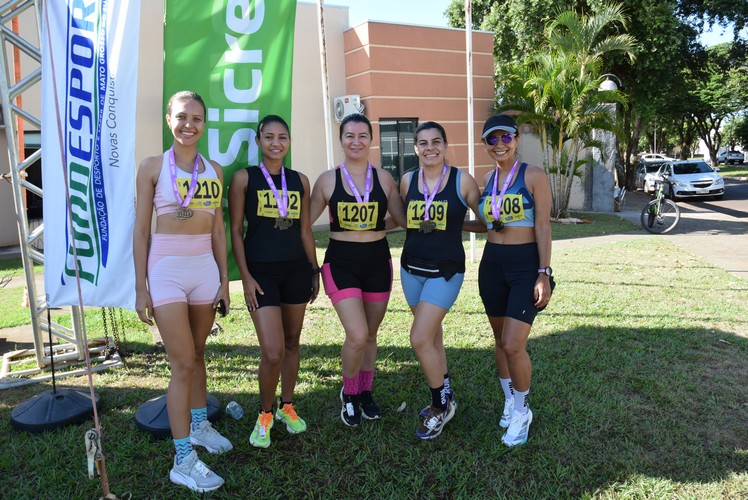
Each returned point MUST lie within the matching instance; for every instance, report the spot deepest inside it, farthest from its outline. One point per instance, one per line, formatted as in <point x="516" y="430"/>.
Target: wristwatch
<point x="546" y="270"/>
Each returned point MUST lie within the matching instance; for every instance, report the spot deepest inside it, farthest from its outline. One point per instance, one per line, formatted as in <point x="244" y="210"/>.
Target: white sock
<point x="520" y="401"/>
<point x="506" y="384"/>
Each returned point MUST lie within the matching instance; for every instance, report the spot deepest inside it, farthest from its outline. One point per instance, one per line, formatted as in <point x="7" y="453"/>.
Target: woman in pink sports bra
<point x="181" y="277"/>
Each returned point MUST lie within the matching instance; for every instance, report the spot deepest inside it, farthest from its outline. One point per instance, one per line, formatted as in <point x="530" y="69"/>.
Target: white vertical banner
<point x="89" y="90"/>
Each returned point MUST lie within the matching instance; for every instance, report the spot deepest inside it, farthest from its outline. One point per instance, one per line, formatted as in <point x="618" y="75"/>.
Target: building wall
<point x="405" y="71"/>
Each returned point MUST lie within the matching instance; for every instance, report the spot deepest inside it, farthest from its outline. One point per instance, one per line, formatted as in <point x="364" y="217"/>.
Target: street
<point x="714" y="230"/>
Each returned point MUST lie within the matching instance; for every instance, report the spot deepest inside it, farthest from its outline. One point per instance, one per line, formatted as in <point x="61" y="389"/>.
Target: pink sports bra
<point x="207" y="196"/>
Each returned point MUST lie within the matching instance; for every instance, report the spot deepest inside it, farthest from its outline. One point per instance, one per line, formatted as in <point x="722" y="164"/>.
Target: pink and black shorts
<point x="181" y="268"/>
<point x="358" y="270"/>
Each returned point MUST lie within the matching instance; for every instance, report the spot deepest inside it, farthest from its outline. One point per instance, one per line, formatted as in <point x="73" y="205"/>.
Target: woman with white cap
<point x="514" y="277"/>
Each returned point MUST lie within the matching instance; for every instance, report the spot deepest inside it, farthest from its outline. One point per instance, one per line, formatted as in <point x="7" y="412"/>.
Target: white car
<point x="729" y="157"/>
<point x="645" y="175"/>
<point x="654" y="157"/>
<point x="690" y="178"/>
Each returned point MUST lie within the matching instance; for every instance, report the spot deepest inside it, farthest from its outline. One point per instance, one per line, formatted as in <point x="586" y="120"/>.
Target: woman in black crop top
<point x="357" y="273"/>
<point x="277" y="261"/>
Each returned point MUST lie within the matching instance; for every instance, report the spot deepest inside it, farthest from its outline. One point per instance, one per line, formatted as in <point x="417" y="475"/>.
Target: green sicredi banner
<point x="238" y="55"/>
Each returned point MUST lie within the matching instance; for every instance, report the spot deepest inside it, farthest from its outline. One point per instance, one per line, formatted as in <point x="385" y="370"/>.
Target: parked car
<point x="729" y="157"/>
<point x="645" y="174"/>
<point x="690" y="178"/>
<point x="654" y="157"/>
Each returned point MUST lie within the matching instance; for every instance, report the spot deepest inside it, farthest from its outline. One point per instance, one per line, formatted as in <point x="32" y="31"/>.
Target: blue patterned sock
<point x="197" y="416"/>
<point x="183" y="447"/>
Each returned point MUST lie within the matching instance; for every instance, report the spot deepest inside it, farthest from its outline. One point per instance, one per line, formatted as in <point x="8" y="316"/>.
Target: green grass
<point x="12" y="312"/>
<point x="638" y="390"/>
<point x="734" y="170"/>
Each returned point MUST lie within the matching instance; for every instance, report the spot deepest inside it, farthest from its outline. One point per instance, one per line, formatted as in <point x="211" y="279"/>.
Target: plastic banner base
<point x="152" y="417"/>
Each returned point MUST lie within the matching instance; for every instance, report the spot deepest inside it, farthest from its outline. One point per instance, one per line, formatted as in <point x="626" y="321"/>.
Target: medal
<point x="183" y="213"/>
<point x="427" y="226"/>
<point x="496" y="205"/>
<point x="282" y="222"/>
<point x="428" y="198"/>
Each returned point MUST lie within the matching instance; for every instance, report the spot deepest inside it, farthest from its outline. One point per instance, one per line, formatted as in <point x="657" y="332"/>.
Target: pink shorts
<point x="181" y="268"/>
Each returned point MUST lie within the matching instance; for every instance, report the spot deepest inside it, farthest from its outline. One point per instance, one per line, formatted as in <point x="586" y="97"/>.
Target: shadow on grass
<point x="611" y="407"/>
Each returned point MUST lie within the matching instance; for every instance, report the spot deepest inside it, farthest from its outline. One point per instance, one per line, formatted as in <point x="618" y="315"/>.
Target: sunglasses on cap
<point x="493" y="140"/>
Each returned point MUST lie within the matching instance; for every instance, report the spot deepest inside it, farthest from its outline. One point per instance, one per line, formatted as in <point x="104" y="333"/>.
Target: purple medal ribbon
<point x="193" y="183"/>
<point x="280" y="199"/>
<point x="496" y="206"/>
<point x="352" y="185"/>
<point x="429" y="198"/>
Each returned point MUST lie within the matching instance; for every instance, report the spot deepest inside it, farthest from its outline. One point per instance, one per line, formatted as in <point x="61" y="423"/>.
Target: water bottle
<point x="235" y="410"/>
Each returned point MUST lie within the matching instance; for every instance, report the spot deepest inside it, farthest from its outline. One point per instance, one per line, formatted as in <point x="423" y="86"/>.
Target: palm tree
<point x="556" y="90"/>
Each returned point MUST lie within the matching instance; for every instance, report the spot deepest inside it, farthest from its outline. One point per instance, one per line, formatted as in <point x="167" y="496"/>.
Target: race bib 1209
<point x="437" y="214"/>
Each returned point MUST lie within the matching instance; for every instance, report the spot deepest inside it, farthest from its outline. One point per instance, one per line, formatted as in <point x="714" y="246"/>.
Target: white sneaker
<point x="506" y="415"/>
<point x="194" y="474"/>
<point x="519" y="427"/>
<point x="209" y="438"/>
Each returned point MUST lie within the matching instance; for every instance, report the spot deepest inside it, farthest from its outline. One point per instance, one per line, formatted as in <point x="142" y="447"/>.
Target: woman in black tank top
<point x="357" y="272"/>
<point x="277" y="261"/>
<point x="433" y="262"/>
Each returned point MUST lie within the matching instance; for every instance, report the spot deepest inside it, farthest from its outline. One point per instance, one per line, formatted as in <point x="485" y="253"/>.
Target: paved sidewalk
<point x="718" y="236"/>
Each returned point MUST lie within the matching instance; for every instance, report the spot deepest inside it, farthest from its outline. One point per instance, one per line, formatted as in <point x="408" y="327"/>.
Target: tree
<point x="737" y="133"/>
<point x="718" y="90"/>
<point x="667" y="36"/>
<point x="556" y="89"/>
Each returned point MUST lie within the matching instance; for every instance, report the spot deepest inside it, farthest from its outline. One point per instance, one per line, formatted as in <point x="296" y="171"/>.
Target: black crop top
<point x="346" y="214"/>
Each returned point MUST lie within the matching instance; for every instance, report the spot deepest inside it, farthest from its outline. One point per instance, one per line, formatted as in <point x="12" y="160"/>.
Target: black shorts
<point x="506" y="280"/>
<point x="286" y="282"/>
<point x="361" y="270"/>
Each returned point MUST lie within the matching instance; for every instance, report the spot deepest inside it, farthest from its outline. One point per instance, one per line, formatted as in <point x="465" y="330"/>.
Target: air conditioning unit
<point x="347" y="105"/>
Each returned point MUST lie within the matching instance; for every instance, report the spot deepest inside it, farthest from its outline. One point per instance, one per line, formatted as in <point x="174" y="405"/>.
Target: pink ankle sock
<point x="350" y="385"/>
<point x="365" y="380"/>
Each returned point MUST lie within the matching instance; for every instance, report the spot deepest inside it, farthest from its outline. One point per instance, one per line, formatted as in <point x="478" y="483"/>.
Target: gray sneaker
<point x="194" y="474"/>
<point x="209" y="438"/>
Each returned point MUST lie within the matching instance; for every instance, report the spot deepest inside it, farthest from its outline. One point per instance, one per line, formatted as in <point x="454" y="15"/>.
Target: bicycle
<point x="660" y="215"/>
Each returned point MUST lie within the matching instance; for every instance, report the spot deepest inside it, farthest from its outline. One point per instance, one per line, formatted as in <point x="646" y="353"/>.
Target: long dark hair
<point x="429" y="125"/>
<point x="268" y="119"/>
<point x="356" y="118"/>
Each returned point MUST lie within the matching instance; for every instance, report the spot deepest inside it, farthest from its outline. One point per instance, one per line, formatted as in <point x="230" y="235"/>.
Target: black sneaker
<point x="350" y="414"/>
<point x="369" y="409"/>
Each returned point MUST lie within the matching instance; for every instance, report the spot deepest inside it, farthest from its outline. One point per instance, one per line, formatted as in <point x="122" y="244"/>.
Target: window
<point x="396" y="140"/>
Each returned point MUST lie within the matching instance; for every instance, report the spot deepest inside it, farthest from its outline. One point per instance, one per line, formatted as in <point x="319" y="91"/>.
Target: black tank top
<point x="263" y="242"/>
<point x="346" y="214"/>
<point x="444" y="243"/>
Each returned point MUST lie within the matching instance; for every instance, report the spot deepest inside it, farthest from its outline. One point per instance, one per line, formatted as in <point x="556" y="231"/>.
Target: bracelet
<point x="316" y="270"/>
